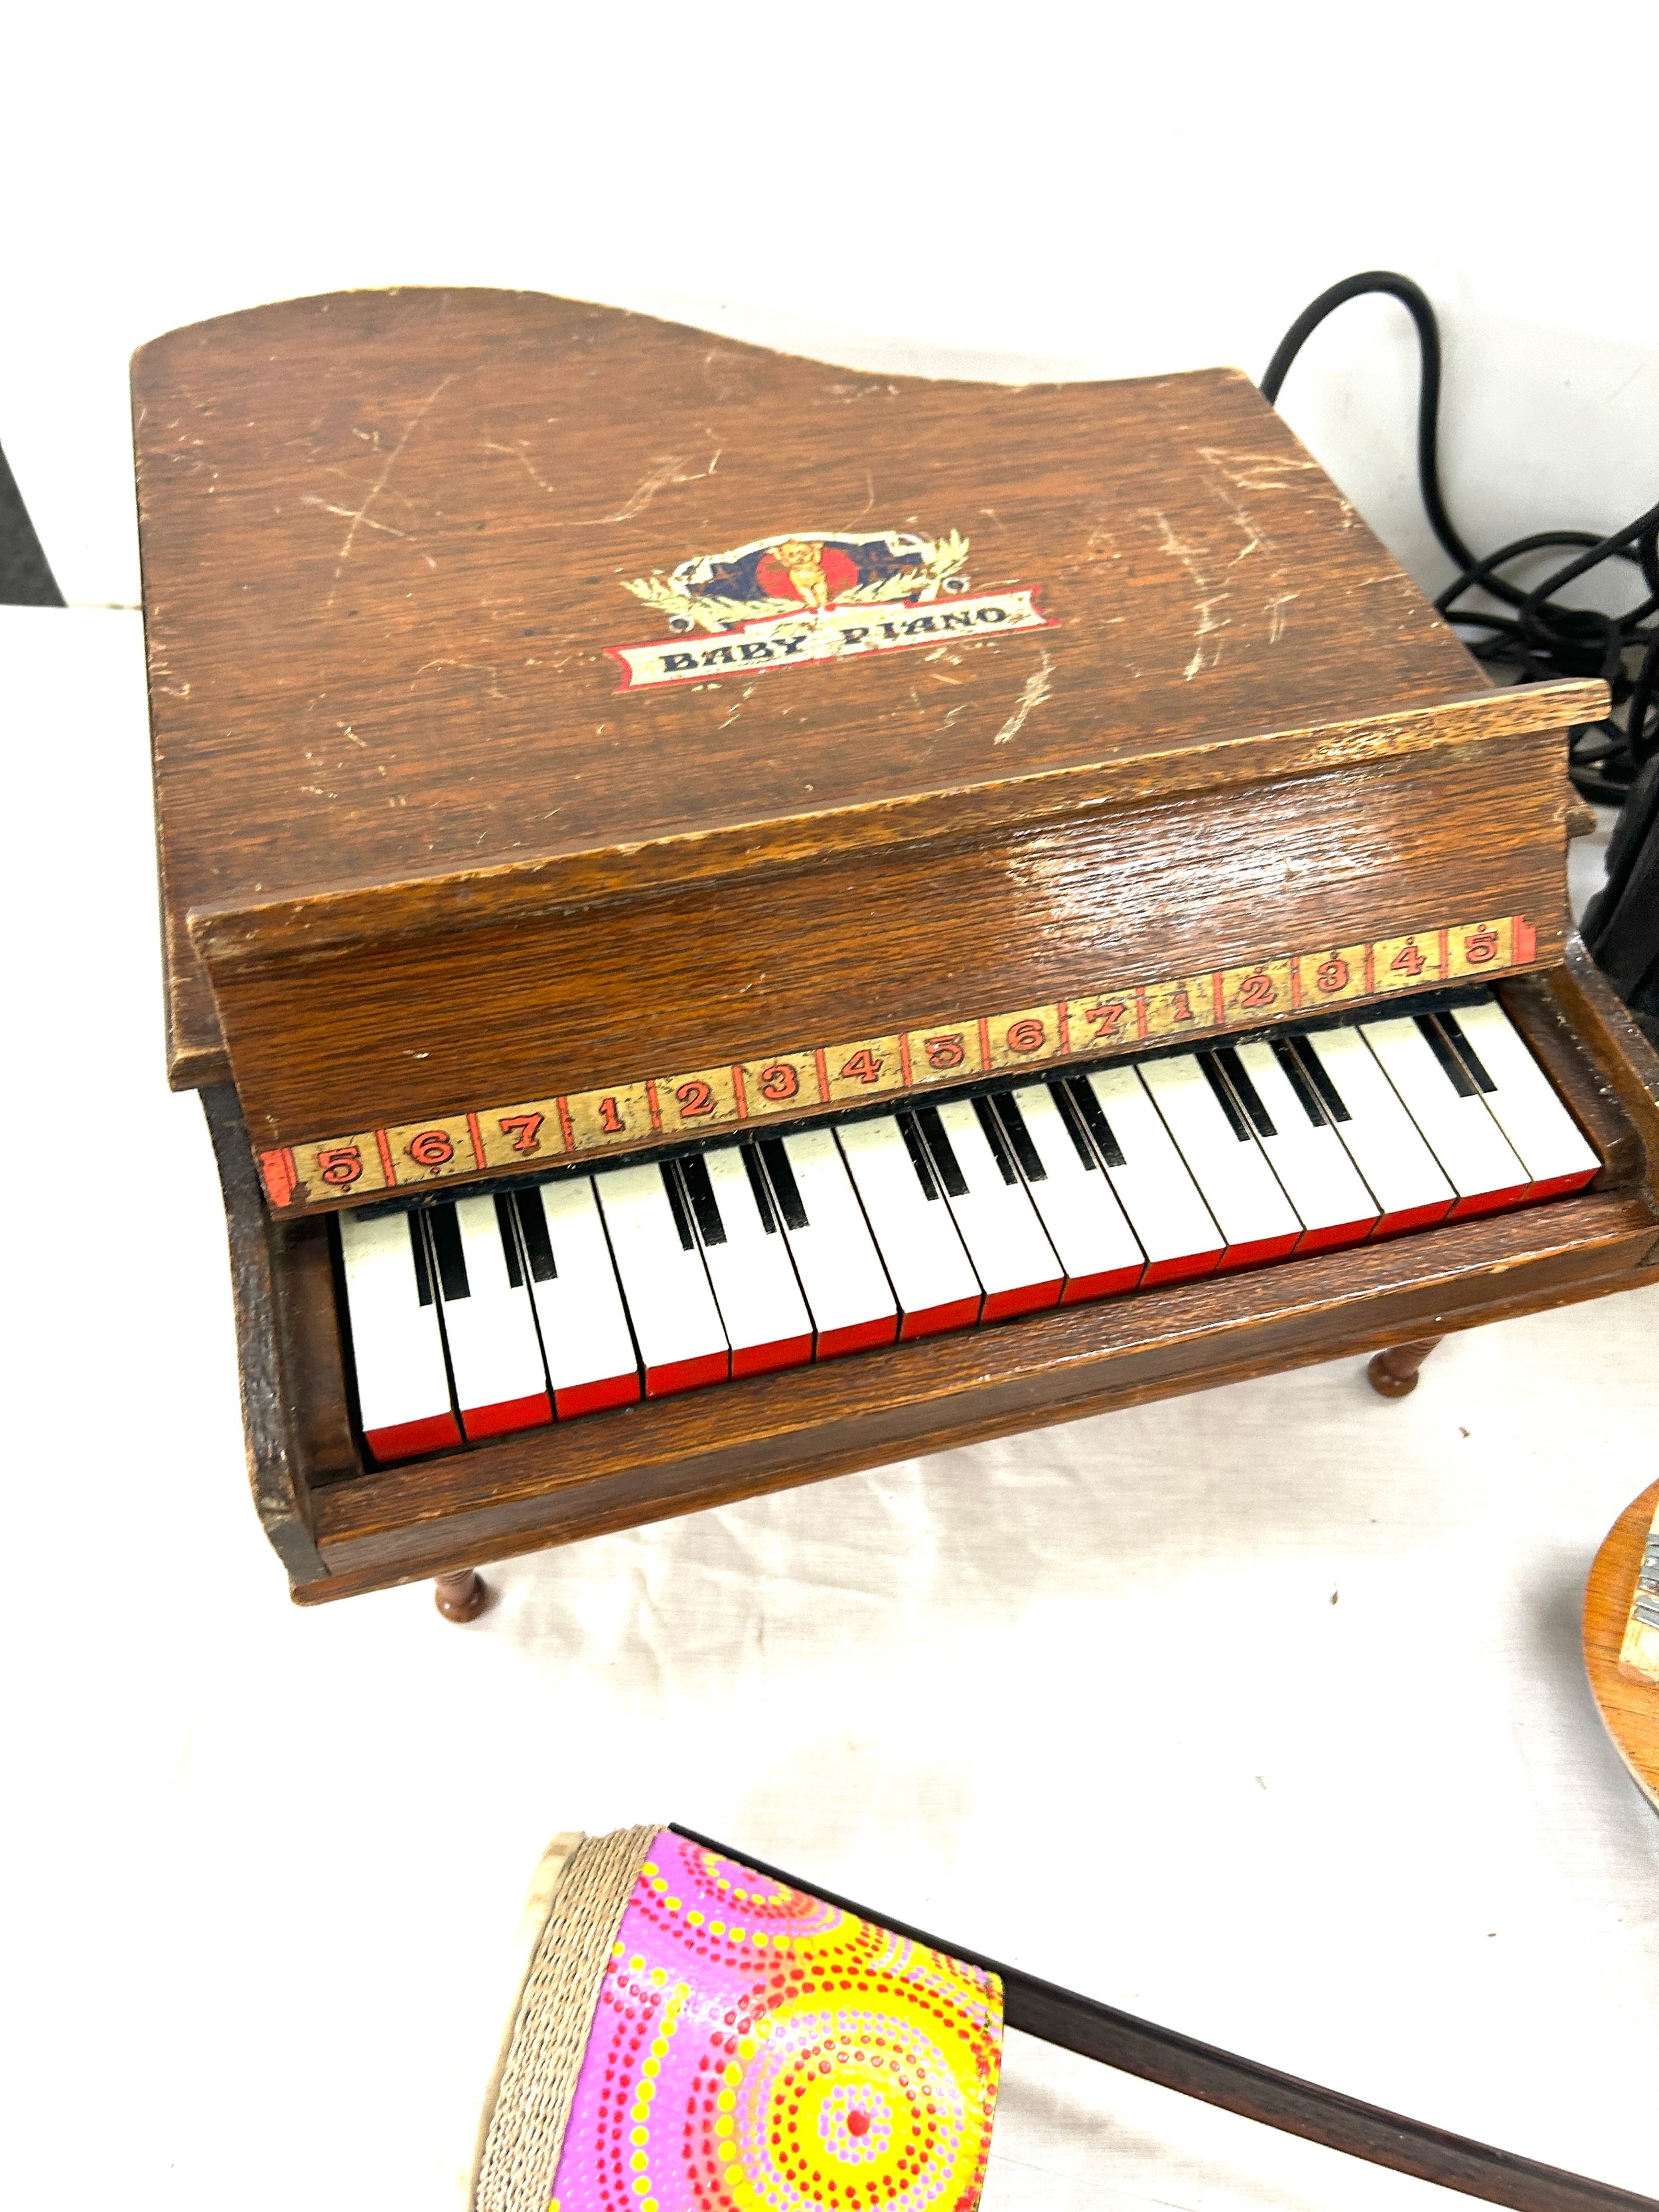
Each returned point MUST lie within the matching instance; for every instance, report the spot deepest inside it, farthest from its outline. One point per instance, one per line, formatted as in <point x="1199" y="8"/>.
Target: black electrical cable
<point x="1543" y="637"/>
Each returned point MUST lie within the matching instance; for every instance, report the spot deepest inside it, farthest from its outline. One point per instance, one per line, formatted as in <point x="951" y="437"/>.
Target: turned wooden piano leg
<point x="1392" y="1374"/>
<point x="462" y="1596"/>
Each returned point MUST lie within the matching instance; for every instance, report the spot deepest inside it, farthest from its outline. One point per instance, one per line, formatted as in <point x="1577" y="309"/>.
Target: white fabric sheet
<point x="1259" y="1712"/>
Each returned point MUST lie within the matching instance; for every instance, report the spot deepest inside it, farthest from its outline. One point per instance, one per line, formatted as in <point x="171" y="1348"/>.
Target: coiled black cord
<point x="1542" y="637"/>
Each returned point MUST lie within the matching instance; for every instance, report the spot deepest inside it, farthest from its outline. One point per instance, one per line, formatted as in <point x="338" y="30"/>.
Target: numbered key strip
<point x="631" y="1116"/>
<point x="474" y="1317"/>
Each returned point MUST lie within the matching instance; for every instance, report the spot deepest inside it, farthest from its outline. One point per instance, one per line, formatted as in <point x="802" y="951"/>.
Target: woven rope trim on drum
<point x="525" y="2132"/>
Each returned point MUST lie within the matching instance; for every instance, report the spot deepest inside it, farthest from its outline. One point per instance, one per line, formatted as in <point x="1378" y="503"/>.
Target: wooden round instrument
<point x="1629" y="1699"/>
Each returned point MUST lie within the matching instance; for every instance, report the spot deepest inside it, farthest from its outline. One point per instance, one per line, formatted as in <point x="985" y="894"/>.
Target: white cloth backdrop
<point x="1259" y="1712"/>
<point x="1078" y="190"/>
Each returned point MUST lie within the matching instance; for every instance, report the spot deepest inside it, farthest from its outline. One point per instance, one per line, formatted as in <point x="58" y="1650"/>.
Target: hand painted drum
<point x="691" y="2036"/>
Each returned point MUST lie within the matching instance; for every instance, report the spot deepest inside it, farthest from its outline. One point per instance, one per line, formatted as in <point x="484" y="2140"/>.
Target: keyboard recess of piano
<point x="700" y="982"/>
<point x="711" y="1266"/>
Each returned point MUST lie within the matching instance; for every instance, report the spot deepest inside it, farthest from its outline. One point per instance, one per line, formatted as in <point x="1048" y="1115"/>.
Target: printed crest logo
<point x="813" y="595"/>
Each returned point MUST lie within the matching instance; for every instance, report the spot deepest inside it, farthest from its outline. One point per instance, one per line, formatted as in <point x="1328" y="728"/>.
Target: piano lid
<point x="452" y="594"/>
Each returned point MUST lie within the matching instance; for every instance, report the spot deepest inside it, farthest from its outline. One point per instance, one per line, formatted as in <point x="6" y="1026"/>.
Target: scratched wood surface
<point x="778" y="961"/>
<point x="421" y="852"/>
<point x="678" y="1455"/>
<point x="431" y="835"/>
<point x="614" y="1120"/>
<point x="1629" y="1705"/>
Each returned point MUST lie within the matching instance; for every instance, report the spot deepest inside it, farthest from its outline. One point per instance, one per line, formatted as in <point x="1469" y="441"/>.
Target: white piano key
<point x="397" y="1342"/>
<point x="489" y="1325"/>
<point x="1521" y="1098"/>
<point x="586" y="1340"/>
<point x="1070" y="1190"/>
<point x="1302" y="1149"/>
<point x="764" y="1315"/>
<point x="914" y="1231"/>
<point x="1166" y="1211"/>
<point x="847" y="1293"/>
<point x="1239" y="1187"/>
<point x="676" y="1324"/>
<point x="1477" y="1157"/>
<point x="1002" y="1230"/>
<point x="1377" y="1133"/>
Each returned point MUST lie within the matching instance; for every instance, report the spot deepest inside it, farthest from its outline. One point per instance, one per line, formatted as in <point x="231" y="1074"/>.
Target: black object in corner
<point x="26" y="577"/>
<point x="1621" y="922"/>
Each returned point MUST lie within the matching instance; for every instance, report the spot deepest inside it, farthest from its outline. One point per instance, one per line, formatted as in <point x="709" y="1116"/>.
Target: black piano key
<point x="446" y="1233"/>
<point x="1466" y="1052"/>
<point x="1245" y="1090"/>
<point x="918" y="1152"/>
<point x="1096" y="1122"/>
<point x="1224" y="1098"/>
<point x="532" y="1228"/>
<point x="988" y="1120"/>
<point x="1329" y="1098"/>
<point x="782" y="1177"/>
<point x="417" y="1247"/>
<point x="670" y="1183"/>
<point x="757" y="1175"/>
<point x="701" y="1192"/>
<point x="1013" y="1123"/>
<point x="938" y="1148"/>
<point x="1071" y="1114"/>
<point x="1451" y="1066"/>
<point x="504" y="1211"/>
<point x="1296" y="1076"/>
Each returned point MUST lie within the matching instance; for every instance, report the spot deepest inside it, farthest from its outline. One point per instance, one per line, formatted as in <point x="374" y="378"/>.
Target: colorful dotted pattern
<point x="755" y="2050"/>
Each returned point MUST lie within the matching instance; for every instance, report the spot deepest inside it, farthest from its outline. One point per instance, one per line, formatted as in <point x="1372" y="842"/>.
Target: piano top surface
<point x="386" y="537"/>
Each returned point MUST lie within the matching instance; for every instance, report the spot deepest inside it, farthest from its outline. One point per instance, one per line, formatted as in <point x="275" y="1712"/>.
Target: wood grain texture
<point x="417" y="1026"/>
<point x="1623" y="1066"/>
<point x="668" y="1105"/>
<point x="278" y="1420"/>
<point x="1630" y="1707"/>
<point x="386" y="538"/>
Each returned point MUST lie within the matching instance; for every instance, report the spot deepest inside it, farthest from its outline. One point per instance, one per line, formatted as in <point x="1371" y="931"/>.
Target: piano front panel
<point x="879" y="946"/>
<point x="672" y="1109"/>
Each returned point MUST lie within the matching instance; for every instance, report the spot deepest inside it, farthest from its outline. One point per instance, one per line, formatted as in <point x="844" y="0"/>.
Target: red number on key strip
<point x="862" y="1066"/>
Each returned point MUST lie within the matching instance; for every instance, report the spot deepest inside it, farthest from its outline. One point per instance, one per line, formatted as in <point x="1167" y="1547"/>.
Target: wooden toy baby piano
<point x="736" y="920"/>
